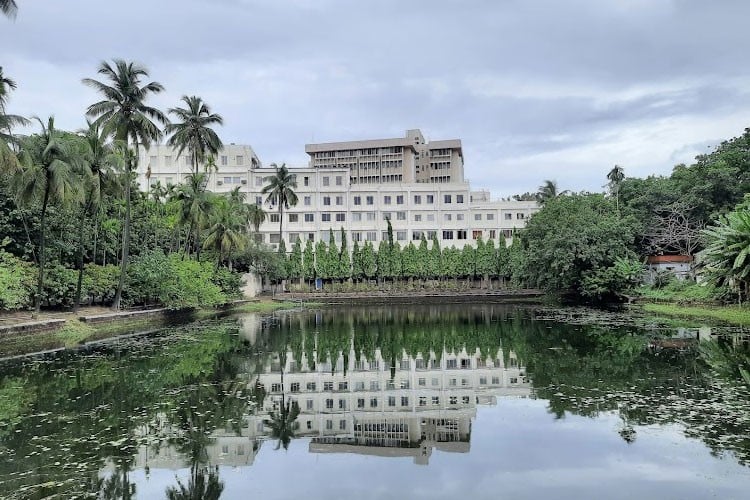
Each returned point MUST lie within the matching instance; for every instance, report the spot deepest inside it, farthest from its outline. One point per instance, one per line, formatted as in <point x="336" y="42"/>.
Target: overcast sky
<point x="536" y="90"/>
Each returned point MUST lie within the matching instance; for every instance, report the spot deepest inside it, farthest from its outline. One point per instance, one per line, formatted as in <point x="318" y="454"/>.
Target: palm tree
<point x="256" y="216"/>
<point x="124" y="115"/>
<point x="101" y="162"/>
<point x="280" y="190"/>
<point x="201" y="486"/>
<point x="194" y="132"/>
<point x="726" y="258"/>
<point x="9" y="8"/>
<point x="46" y="176"/>
<point x="8" y="160"/>
<point x="225" y="234"/>
<point x="615" y="178"/>
<point x="195" y="205"/>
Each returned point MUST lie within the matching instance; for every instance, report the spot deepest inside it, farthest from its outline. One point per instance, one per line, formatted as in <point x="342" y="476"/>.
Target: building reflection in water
<point x="364" y="406"/>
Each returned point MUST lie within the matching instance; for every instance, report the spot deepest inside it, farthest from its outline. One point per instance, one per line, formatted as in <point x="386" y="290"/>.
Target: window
<point x="459" y="198"/>
<point x="240" y="159"/>
<point x="357" y="200"/>
<point x="329" y="404"/>
<point x="430" y="217"/>
<point x="482" y="380"/>
<point x="493" y="234"/>
<point x="342" y="425"/>
<point x="167" y="161"/>
<point x="451" y="364"/>
<point x="274" y="218"/>
<point x="338" y="180"/>
<point x="400" y="215"/>
<point x="490" y="217"/>
<point x="386" y="200"/>
<point x="310" y="236"/>
<point x="329" y="425"/>
<point x="357" y="216"/>
<point x="448" y="217"/>
<point x="326" y="200"/>
<point x="401" y="235"/>
<point x="461" y="234"/>
<point x="370" y="215"/>
<point x="417" y="217"/>
<point x="360" y="402"/>
<point x="400" y="199"/>
<point x="327" y="386"/>
<point x="453" y="400"/>
<point x="508" y="216"/>
<point x="422" y="382"/>
<point x="372" y="235"/>
<point x="359" y="386"/>
<point x="293" y="217"/>
<point x="373" y="402"/>
<point x="465" y="399"/>
<point x="223" y="160"/>
<point x="447" y="198"/>
<point x="259" y="181"/>
<point x="417" y="199"/>
<point x="387" y="216"/>
<point x="391" y="400"/>
<point x="476" y="234"/>
<point x="477" y="216"/>
<point x="495" y="380"/>
<point x="370" y="200"/>
<point x="343" y="386"/>
<point x="404" y="401"/>
<point x="435" y="400"/>
<point x="259" y="200"/>
<point x="435" y="381"/>
<point x="309" y="217"/>
<point x="339" y="200"/>
<point x="422" y="401"/>
<point x="306" y="181"/>
<point x="275" y="387"/>
<point x="374" y="385"/>
<point x="325" y="217"/>
<point x="340" y="217"/>
<point x="519" y="215"/>
<point x="310" y="386"/>
<point x="430" y="199"/>
<point x="342" y="404"/>
<point x="309" y="425"/>
<point x="416" y="236"/>
<point x="308" y="200"/>
<point x="326" y="181"/>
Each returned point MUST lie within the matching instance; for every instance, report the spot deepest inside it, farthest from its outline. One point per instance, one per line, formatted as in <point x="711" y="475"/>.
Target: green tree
<point x="195" y="205"/>
<point x="193" y="132"/>
<point x="47" y="176"/>
<point x="256" y="216"/>
<point x="725" y="259"/>
<point x="308" y="262"/>
<point x="280" y="191"/>
<point x="322" y="267"/>
<point x="358" y="270"/>
<point x="615" y="178"/>
<point x="451" y="263"/>
<point x="123" y="113"/>
<point x="283" y="272"/>
<point x="345" y="264"/>
<point x="225" y="234"/>
<point x="435" y="264"/>
<point x="332" y="260"/>
<point x="485" y="259"/>
<point x="572" y="237"/>
<point x="547" y="191"/>
<point x="467" y="267"/>
<point x="294" y="268"/>
<point x="369" y="260"/>
<point x="423" y="259"/>
<point x="409" y="259"/>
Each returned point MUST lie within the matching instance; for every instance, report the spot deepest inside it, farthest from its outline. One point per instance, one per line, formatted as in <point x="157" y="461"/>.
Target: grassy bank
<point x="730" y="314"/>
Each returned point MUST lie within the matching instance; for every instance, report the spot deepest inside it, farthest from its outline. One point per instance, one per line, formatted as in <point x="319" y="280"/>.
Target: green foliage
<point x="16" y="282"/>
<point x="726" y="258"/>
<point x="435" y="262"/>
<point x="294" y="264"/>
<point x="358" y="271"/>
<point x="675" y="290"/>
<point x="410" y="261"/>
<point x="573" y="238"/>
<point x="610" y="283"/>
<point x="322" y="265"/>
<point x="369" y="260"/>
<point x="345" y="265"/>
<point x="308" y="261"/>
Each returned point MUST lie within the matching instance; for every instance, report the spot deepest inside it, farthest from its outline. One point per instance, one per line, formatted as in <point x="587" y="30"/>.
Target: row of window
<point x="372" y="236"/>
<point x="188" y="160"/>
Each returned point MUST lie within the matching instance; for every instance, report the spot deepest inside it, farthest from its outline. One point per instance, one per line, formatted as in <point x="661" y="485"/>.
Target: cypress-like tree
<point x="345" y="265"/>
<point x="308" y="262"/>
<point x="358" y="270"/>
<point x="410" y="261"/>
<point x="334" y="269"/>
<point x="435" y="266"/>
<point x="369" y="260"/>
<point x="322" y="269"/>
<point x="294" y="268"/>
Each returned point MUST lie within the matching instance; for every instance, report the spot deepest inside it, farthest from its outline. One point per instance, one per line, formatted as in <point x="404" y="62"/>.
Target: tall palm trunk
<point x="126" y="232"/>
<point x="77" y="301"/>
<point x="42" y="260"/>
<point x="281" y="222"/>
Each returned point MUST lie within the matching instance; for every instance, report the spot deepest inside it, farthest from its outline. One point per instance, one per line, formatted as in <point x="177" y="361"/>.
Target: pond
<point x="441" y="401"/>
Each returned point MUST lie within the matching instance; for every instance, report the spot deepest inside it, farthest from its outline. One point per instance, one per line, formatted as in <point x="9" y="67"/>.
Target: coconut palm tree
<point x="615" y="178"/>
<point x="195" y="205"/>
<point x="9" y="8"/>
<point x="194" y="131"/>
<point x="280" y="190"/>
<point x="124" y="114"/>
<point x="726" y="258"/>
<point x="7" y="121"/>
<point x="98" y="176"/>
<point x="226" y="233"/>
<point x="256" y="216"/>
<point x="46" y="176"/>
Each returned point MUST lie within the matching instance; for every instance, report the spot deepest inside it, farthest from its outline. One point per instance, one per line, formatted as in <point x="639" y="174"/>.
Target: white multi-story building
<point x="419" y="186"/>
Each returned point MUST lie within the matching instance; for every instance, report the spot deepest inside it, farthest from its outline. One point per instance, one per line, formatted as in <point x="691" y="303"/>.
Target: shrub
<point x="100" y="282"/>
<point x="230" y="283"/>
<point x="59" y="286"/>
<point x="190" y="285"/>
<point x="17" y="278"/>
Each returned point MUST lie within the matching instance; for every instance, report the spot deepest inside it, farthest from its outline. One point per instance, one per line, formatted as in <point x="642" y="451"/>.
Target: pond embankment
<point x="414" y="297"/>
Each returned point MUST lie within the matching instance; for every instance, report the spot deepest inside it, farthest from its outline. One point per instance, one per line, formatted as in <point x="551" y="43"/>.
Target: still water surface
<point x="485" y="401"/>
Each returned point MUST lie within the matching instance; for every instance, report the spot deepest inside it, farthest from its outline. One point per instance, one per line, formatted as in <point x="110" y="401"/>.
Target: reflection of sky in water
<point x="518" y="450"/>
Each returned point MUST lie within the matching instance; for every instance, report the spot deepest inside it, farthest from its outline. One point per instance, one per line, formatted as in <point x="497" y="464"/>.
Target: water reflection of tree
<point x="203" y="485"/>
<point x="282" y="422"/>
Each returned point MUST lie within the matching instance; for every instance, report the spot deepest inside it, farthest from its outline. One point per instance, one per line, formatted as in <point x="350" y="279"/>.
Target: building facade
<point x="358" y="186"/>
